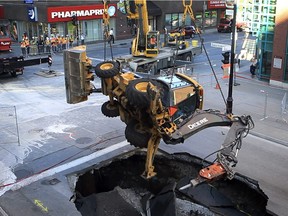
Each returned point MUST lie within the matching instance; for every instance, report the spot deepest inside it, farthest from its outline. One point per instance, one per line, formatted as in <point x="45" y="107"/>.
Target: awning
<point x="153" y="9"/>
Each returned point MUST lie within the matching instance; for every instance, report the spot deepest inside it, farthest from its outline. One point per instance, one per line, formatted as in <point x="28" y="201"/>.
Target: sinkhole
<point x="115" y="188"/>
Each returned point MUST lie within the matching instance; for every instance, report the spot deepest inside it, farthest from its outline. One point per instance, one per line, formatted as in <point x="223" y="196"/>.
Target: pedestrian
<point x="71" y="40"/>
<point x="40" y="44"/>
<point x="182" y="33"/>
<point x="253" y="66"/>
<point x="64" y="42"/>
<point x="82" y="38"/>
<point x="23" y="47"/>
<point x="48" y="45"/>
<point x="165" y="35"/>
<point x="59" y="43"/>
<point x="165" y="30"/>
<point x="153" y="42"/>
<point x="53" y="43"/>
<point x="33" y="46"/>
<point x="111" y="36"/>
<point x="27" y="43"/>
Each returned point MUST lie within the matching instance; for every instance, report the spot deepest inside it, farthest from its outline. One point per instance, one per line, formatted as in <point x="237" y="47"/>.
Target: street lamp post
<point x="203" y="16"/>
<point x="232" y="57"/>
<point x="75" y="22"/>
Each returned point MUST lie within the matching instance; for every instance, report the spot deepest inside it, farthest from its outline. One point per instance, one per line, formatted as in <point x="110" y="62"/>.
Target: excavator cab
<point x="181" y="95"/>
<point x="152" y="43"/>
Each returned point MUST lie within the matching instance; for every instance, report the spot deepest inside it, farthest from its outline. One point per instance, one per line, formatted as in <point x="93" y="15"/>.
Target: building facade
<point x="279" y="67"/>
<point x="268" y="21"/>
<point x="46" y="18"/>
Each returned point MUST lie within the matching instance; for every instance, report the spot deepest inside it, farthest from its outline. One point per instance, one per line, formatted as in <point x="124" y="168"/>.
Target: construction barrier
<point x="194" y="43"/>
<point x="226" y="71"/>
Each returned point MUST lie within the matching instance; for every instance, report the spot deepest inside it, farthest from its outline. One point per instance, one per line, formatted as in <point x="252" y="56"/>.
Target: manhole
<point x="83" y="140"/>
<point x="48" y="74"/>
<point x="116" y="186"/>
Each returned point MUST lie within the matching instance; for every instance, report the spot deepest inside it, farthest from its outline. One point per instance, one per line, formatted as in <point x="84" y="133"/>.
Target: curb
<point x="272" y="139"/>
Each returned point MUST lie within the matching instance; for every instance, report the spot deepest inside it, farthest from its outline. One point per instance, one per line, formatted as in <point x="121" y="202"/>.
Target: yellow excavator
<point x="147" y="56"/>
<point x="147" y="42"/>
<point x="167" y="107"/>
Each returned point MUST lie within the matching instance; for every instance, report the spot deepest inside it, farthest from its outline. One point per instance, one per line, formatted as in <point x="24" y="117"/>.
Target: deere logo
<point x="198" y="123"/>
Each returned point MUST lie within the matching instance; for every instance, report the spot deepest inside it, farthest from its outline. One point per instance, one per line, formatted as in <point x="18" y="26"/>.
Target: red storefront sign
<point x="216" y="4"/>
<point x="83" y="12"/>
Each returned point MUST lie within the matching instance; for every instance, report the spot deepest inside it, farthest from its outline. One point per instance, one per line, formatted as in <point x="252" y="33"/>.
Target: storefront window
<point x="213" y="18"/>
<point x="72" y="30"/>
<point x="4" y="28"/>
<point x="40" y="29"/>
<point x="210" y="18"/>
<point x="152" y="22"/>
<point x="14" y="31"/>
<point x="198" y="19"/>
<point x="93" y="30"/>
<point x="266" y="64"/>
<point x="167" y="21"/>
<point x="174" y="20"/>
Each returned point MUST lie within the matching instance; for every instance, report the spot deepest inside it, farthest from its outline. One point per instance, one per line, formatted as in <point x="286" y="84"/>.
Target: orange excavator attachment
<point x="212" y="172"/>
<point x="207" y="174"/>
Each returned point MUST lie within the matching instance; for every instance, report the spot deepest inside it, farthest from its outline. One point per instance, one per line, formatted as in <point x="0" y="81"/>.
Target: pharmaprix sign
<point x="83" y="12"/>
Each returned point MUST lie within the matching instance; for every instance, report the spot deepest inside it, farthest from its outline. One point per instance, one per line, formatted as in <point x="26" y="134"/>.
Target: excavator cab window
<point x="184" y="109"/>
<point x="153" y="40"/>
<point x="180" y="94"/>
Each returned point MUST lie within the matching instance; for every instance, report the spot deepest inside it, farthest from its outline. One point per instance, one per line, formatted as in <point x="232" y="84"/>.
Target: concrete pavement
<point x="38" y="128"/>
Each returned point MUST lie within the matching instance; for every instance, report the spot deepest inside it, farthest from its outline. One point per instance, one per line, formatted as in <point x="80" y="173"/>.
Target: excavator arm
<point x="227" y="155"/>
<point x="201" y="119"/>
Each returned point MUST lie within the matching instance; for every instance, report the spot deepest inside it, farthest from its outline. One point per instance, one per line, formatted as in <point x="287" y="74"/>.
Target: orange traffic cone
<point x="217" y="86"/>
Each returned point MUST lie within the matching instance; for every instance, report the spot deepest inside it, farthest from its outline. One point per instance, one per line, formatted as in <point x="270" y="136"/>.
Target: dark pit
<point x="116" y="188"/>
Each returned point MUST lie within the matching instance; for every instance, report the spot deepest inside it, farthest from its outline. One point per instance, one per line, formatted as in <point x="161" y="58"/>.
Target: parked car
<point x="225" y="25"/>
<point x="189" y="30"/>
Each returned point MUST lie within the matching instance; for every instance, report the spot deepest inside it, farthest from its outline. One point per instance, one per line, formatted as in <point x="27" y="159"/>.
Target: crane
<point x="146" y="43"/>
